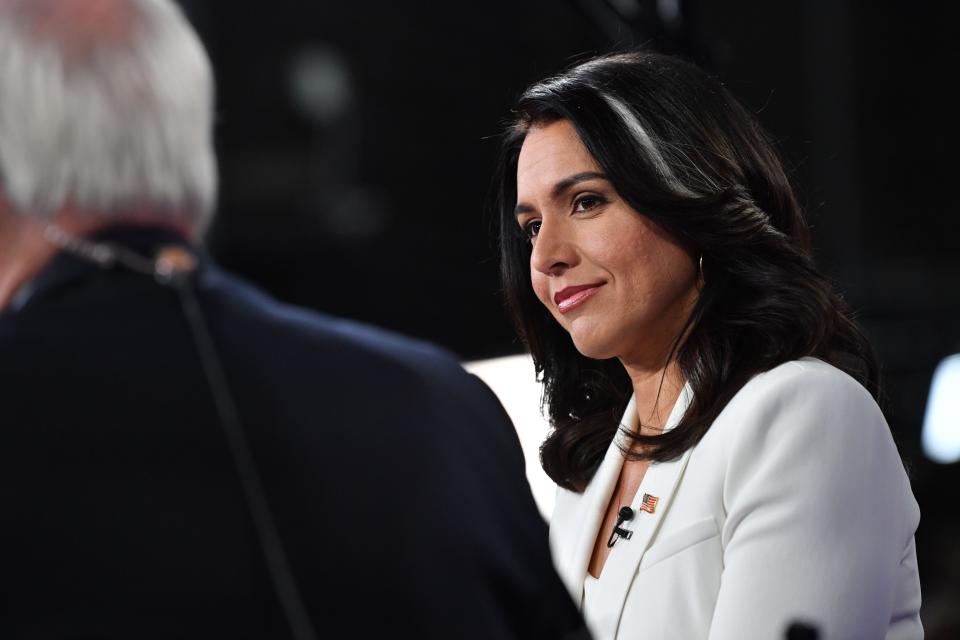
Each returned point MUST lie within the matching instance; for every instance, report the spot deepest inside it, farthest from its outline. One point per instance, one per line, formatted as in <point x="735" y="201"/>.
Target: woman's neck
<point x="656" y="390"/>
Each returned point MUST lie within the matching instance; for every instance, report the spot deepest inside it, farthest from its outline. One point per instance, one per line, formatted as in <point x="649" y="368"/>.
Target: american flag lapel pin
<point x="649" y="503"/>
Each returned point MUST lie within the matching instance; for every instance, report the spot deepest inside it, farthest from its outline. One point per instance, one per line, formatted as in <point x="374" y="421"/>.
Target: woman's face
<point x="619" y="284"/>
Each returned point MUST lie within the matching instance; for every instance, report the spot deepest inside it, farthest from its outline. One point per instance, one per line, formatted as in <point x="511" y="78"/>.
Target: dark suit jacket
<point x="395" y="480"/>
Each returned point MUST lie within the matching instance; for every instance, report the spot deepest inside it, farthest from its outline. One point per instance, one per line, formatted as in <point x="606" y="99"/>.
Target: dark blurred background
<point x="356" y="142"/>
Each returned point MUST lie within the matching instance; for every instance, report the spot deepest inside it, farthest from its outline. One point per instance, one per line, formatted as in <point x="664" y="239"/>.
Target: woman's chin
<point x="593" y="349"/>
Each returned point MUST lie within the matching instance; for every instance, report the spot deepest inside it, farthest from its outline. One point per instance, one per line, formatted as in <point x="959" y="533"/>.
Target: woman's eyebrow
<point x="562" y="186"/>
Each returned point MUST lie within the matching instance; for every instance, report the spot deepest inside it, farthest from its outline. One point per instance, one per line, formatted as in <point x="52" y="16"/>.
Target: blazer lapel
<point x="591" y="509"/>
<point x="660" y="482"/>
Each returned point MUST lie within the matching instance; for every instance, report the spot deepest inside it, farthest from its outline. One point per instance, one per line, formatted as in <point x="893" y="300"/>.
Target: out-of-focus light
<point x="513" y="380"/>
<point x="941" y="425"/>
<point x="670" y="12"/>
<point x="320" y="84"/>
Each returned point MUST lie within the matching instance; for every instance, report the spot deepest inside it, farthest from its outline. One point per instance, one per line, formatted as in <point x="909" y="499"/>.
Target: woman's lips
<point x="572" y="297"/>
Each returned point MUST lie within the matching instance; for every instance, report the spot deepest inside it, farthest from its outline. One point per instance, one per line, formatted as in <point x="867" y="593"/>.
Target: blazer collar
<point x="65" y="270"/>
<point x="660" y="481"/>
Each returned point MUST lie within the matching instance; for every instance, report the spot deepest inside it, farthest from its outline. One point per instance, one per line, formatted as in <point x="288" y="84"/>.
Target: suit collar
<point x="660" y="480"/>
<point x="592" y="505"/>
<point x="65" y="270"/>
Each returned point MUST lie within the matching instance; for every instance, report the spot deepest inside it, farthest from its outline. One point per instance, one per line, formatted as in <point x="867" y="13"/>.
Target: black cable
<point x="178" y="278"/>
<point x="277" y="562"/>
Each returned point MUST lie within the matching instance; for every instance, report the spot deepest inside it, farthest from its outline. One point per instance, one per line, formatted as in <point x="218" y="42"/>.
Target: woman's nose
<point x="553" y="253"/>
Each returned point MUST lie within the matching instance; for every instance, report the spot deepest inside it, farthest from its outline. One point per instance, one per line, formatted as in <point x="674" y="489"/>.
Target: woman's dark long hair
<point x="680" y="149"/>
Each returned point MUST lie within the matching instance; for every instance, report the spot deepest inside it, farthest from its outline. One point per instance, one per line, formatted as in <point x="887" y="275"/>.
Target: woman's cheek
<point x="541" y="288"/>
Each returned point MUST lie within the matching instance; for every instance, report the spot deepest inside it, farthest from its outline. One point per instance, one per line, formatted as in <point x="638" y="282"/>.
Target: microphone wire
<point x="273" y="551"/>
<point x="177" y="274"/>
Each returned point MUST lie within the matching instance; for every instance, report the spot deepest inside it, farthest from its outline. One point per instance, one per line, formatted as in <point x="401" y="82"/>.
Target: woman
<point x="752" y="483"/>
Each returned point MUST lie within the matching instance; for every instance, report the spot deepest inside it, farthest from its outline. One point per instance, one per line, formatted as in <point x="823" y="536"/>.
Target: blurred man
<point x="181" y="456"/>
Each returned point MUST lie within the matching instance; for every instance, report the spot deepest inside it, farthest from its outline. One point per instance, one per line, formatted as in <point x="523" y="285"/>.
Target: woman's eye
<point x="531" y="229"/>
<point x="587" y="202"/>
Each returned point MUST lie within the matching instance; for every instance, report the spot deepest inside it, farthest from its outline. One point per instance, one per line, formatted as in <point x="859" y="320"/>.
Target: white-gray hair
<point x="126" y="126"/>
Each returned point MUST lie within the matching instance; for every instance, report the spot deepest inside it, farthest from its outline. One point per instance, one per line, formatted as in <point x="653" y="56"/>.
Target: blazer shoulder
<point x="803" y="388"/>
<point x="810" y="415"/>
<point x="810" y="412"/>
<point x="409" y="375"/>
<point x="809" y="374"/>
<point x="246" y="306"/>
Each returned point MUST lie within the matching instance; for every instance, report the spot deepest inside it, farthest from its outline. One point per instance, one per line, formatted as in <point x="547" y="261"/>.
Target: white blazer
<point x="794" y="507"/>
